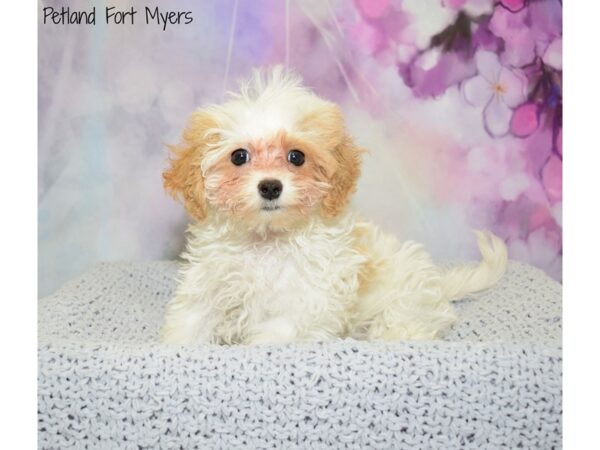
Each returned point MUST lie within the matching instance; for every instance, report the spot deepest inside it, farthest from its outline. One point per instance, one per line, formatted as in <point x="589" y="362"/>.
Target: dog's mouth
<point x="270" y="208"/>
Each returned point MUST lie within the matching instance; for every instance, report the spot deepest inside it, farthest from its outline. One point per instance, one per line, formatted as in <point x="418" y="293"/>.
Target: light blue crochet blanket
<point x="105" y="382"/>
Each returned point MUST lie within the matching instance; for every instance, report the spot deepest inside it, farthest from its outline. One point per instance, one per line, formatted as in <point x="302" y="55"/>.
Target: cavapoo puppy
<point x="274" y="255"/>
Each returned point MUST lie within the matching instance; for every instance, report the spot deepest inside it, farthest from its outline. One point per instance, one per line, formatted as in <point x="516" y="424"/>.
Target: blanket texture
<point x="105" y="382"/>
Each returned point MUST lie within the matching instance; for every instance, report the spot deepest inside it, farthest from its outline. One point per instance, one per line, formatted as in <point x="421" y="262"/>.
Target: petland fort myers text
<point x="111" y="15"/>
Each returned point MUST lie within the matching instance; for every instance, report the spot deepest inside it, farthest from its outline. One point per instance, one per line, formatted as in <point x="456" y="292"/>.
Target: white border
<point x="581" y="223"/>
<point x="18" y="234"/>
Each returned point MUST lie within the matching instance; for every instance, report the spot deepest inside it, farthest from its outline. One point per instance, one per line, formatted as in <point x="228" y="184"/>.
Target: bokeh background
<point x="458" y="101"/>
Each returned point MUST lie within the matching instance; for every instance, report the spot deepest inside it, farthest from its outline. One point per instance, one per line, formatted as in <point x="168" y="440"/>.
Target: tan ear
<point x="183" y="179"/>
<point x="342" y="168"/>
<point x="344" y="178"/>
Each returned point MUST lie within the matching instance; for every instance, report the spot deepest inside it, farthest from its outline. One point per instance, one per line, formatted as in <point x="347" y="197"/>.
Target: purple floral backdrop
<point x="458" y="101"/>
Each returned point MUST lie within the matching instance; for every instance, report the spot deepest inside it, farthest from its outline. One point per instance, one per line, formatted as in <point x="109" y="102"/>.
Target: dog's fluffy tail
<point x="458" y="282"/>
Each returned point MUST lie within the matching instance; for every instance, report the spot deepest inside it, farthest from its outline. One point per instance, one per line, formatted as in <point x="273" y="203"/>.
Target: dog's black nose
<point x="270" y="189"/>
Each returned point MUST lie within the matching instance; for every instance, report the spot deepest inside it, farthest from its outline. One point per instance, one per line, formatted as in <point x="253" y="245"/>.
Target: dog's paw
<point x="279" y="330"/>
<point x="174" y="336"/>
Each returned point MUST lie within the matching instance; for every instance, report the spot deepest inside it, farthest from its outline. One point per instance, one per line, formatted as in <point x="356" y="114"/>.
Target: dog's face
<point x="269" y="158"/>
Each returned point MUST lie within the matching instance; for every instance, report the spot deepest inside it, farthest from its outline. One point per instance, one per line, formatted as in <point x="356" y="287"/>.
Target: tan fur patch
<point x="184" y="180"/>
<point x="343" y="182"/>
<point x="368" y="270"/>
<point x="344" y="169"/>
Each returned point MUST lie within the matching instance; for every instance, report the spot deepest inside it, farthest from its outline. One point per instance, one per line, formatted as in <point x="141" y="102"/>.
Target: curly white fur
<point x="305" y="268"/>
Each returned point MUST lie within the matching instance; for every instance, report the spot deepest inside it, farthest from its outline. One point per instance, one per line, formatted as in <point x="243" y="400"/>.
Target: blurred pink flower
<point x="433" y="72"/>
<point x="539" y="217"/>
<point x="497" y="88"/>
<point x="552" y="178"/>
<point x="518" y="37"/>
<point x="513" y="186"/>
<point x="513" y="5"/>
<point x="368" y="38"/>
<point x="373" y="8"/>
<point x="528" y="31"/>
<point x="524" y="120"/>
<point x="553" y="55"/>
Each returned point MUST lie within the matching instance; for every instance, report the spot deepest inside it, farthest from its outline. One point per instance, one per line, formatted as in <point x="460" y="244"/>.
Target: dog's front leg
<point x="189" y="320"/>
<point x="278" y="330"/>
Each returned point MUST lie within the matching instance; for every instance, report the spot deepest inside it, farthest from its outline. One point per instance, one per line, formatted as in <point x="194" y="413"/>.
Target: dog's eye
<point x="296" y="157"/>
<point x="240" y="156"/>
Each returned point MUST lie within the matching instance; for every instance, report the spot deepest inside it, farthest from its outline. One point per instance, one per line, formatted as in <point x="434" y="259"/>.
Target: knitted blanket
<point x="105" y="382"/>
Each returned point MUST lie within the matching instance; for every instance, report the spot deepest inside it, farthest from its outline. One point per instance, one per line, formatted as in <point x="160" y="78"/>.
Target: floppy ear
<point x="342" y="167"/>
<point x="184" y="179"/>
<point x="344" y="178"/>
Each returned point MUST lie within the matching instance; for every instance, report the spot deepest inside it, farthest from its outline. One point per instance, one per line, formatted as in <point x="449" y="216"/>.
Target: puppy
<point x="274" y="255"/>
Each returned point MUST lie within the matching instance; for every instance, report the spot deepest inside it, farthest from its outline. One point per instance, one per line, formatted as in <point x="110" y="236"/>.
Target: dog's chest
<point x="276" y="269"/>
<point x="292" y="272"/>
<point x="292" y="269"/>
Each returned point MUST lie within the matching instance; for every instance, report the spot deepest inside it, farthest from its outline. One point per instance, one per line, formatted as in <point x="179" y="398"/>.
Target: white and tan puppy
<point x="274" y="255"/>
